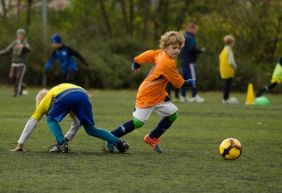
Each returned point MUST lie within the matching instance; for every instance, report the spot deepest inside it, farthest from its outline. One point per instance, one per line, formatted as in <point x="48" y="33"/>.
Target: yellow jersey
<point x="225" y="68"/>
<point x="46" y="103"/>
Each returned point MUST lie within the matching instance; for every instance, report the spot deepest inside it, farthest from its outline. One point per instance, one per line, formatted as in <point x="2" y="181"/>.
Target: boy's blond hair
<point x="171" y="38"/>
<point x="228" y="39"/>
<point x="40" y="95"/>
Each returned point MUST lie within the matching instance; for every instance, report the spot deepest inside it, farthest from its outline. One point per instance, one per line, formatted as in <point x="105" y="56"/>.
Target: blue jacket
<point x="189" y="52"/>
<point x="65" y="55"/>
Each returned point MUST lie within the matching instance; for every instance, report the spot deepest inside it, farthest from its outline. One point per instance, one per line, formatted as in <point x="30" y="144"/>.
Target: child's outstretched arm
<point x="77" y="55"/>
<point x="147" y="57"/>
<point x="29" y="127"/>
<point x="7" y="50"/>
<point x="50" y="62"/>
<point x="75" y="125"/>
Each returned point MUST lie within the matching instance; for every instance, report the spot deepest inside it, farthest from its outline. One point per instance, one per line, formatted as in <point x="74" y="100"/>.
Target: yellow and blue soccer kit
<point x="65" y="98"/>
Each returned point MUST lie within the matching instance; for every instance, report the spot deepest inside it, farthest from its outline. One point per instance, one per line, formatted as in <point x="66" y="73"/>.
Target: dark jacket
<point x="65" y="55"/>
<point x="189" y="52"/>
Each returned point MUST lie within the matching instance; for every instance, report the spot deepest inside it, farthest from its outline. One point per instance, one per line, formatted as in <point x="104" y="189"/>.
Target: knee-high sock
<point x="56" y="130"/>
<point x="163" y="125"/>
<point x="101" y="133"/>
<point x="266" y="89"/>
<point x="123" y="129"/>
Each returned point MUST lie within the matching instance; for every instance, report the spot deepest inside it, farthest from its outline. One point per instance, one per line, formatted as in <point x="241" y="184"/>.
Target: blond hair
<point x="171" y="38"/>
<point x="40" y="95"/>
<point x="228" y="39"/>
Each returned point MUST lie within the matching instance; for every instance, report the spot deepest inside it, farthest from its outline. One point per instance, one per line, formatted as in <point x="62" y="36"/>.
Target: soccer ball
<point x="230" y="149"/>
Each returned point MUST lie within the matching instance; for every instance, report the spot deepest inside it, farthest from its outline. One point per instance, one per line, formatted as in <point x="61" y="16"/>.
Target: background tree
<point x="109" y="33"/>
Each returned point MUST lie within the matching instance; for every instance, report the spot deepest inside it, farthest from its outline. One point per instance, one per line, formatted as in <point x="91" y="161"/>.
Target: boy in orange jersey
<point x="152" y="95"/>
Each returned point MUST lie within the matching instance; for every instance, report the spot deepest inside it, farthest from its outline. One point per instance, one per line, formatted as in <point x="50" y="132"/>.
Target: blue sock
<point x="56" y="130"/>
<point x="101" y="133"/>
<point x="123" y="129"/>
<point x="163" y="125"/>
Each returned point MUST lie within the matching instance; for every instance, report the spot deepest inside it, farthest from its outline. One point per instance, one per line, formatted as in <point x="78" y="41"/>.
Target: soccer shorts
<point x="162" y="109"/>
<point x="74" y="101"/>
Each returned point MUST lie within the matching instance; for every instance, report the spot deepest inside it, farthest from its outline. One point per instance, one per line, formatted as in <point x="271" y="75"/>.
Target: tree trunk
<point x="4" y="8"/>
<point x="28" y="16"/>
<point x="124" y="14"/>
<point x="145" y="5"/>
<point x="131" y="17"/>
<point x="18" y="7"/>
<point x="106" y="17"/>
<point x="181" y="16"/>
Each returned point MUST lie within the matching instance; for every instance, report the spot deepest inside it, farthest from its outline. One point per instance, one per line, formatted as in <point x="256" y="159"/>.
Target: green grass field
<point x="190" y="163"/>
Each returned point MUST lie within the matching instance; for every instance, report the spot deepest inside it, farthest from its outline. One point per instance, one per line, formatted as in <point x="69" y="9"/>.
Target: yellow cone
<point x="250" y="100"/>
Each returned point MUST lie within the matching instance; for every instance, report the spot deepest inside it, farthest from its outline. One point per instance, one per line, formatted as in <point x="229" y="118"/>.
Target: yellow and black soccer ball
<point x="230" y="149"/>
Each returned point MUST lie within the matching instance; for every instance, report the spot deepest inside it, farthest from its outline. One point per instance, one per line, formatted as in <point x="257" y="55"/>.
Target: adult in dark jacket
<point x="188" y="57"/>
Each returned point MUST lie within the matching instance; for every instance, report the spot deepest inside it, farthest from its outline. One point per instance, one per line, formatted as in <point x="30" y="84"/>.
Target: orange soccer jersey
<point x="153" y="89"/>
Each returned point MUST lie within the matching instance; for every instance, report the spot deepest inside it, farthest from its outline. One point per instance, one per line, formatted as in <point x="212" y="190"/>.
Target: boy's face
<point x="56" y="45"/>
<point x="173" y="50"/>
<point x="20" y="36"/>
<point x="232" y="44"/>
<point x="193" y="30"/>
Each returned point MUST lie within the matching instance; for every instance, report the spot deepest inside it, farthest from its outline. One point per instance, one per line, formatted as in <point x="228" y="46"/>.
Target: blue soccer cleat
<point x="109" y="147"/>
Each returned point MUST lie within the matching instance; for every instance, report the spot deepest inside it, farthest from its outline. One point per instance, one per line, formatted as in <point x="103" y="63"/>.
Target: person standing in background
<point x="19" y="49"/>
<point x="227" y="69"/>
<point x="188" y="58"/>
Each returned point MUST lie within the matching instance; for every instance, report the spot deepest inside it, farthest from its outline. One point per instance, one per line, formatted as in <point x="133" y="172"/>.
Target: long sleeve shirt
<point x="18" y="54"/>
<point x="65" y="55"/>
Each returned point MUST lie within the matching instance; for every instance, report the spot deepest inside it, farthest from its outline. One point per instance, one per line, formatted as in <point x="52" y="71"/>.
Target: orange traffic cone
<point x="250" y="99"/>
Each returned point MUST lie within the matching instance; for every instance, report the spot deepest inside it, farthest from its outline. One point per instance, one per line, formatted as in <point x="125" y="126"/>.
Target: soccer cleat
<point x="60" y="148"/>
<point x="122" y="146"/>
<point x="231" y="101"/>
<point x="154" y="143"/>
<point x="196" y="99"/>
<point x="109" y="148"/>
<point x="183" y="99"/>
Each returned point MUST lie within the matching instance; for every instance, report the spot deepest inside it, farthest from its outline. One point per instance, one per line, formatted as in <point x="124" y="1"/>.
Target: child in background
<point x="152" y="95"/>
<point x="19" y="50"/>
<point x="276" y="79"/>
<point x="56" y="104"/>
<point x="227" y="68"/>
<point x="65" y="55"/>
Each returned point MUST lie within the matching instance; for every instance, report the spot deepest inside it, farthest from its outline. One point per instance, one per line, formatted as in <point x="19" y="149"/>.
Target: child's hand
<point x="19" y="147"/>
<point x="20" y="46"/>
<point x="191" y="82"/>
<point x="135" y="66"/>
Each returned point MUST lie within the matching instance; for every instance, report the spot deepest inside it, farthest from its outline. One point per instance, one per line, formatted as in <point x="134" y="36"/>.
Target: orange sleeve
<point x="172" y="75"/>
<point x="147" y="57"/>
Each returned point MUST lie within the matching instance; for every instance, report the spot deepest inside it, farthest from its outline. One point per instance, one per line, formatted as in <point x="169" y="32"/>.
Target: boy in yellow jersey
<point x="56" y="104"/>
<point x="152" y="95"/>
<point x="276" y="79"/>
<point x="227" y="68"/>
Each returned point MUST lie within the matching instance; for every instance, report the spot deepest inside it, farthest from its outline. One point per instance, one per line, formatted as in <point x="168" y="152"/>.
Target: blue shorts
<point x="72" y="100"/>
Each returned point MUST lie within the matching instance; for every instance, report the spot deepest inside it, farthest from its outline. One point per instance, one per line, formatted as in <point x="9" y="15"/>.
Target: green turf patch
<point x="190" y="162"/>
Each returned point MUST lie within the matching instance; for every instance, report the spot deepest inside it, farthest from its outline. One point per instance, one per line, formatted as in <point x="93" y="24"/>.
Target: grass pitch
<point x="190" y="162"/>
